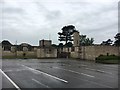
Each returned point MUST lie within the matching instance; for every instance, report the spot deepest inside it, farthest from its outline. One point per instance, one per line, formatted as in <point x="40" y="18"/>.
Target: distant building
<point x="86" y="52"/>
<point x="45" y="43"/>
<point x="46" y="50"/>
<point x="76" y="39"/>
<point x="25" y="47"/>
<point x="6" y="45"/>
<point x="24" y="50"/>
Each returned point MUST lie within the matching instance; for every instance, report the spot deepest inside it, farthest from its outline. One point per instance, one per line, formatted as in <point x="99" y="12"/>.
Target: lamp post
<point x="16" y="49"/>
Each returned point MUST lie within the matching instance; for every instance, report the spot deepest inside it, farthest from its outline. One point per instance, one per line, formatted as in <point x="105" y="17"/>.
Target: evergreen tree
<point x="117" y="39"/>
<point x="66" y="34"/>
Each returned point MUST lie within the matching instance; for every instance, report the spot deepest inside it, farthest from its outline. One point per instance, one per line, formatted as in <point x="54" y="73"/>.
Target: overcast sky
<point x="32" y="20"/>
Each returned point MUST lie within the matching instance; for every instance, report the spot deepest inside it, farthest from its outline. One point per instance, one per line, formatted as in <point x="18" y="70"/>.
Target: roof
<point x="25" y="44"/>
<point x="6" y="42"/>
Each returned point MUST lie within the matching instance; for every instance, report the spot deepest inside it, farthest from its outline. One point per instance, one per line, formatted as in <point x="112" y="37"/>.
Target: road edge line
<point x="16" y="86"/>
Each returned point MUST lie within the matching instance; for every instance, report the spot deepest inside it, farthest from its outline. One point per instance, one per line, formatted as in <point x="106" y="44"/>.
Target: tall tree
<point x="69" y="44"/>
<point x="66" y="34"/>
<point x="117" y="39"/>
<point x="60" y="45"/>
<point x="85" y="41"/>
<point x="108" y="42"/>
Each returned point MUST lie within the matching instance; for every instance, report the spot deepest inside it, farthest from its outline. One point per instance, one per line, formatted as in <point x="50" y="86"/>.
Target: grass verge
<point x="108" y="59"/>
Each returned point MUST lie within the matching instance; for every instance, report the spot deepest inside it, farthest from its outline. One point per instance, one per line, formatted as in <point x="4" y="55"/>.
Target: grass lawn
<point x="108" y="59"/>
<point x="20" y="57"/>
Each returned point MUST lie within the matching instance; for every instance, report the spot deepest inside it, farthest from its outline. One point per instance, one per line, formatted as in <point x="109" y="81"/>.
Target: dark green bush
<point x="108" y="59"/>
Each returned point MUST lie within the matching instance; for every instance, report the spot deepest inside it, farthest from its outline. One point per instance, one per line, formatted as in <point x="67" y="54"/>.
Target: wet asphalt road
<point x="57" y="73"/>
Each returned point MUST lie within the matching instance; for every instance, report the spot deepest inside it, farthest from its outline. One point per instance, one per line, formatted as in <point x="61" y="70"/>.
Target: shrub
<point x="108" y="59"/>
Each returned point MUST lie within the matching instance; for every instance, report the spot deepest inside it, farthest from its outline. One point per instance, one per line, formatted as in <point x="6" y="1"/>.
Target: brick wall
<point x="91" y="52"/>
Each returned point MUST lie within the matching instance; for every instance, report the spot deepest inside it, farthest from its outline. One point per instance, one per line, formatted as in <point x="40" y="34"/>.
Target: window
<point x="73" y="49"/>
<point x="48" y="51"/>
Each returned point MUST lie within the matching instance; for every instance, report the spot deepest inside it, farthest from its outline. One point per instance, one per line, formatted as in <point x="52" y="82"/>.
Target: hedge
<point x="110" y="59"/>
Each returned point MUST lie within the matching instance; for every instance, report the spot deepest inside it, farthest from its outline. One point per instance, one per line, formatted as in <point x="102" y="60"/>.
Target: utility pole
<point x="84" y="52"/>
<point x="16" y="49"/>
<point x="49" y="37"/>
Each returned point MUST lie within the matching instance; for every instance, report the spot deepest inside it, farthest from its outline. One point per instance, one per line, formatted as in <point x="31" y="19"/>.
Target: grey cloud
<point x="108" y="27"/>
<point x="89" y="19"/>
<point x="11" y="10"/>
<point x="40" y="6"/>
<point x="50" y="15"/>
<point x="53" y="15"/>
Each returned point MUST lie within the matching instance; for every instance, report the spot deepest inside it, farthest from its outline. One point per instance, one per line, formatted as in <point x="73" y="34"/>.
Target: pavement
<point x="57" y="73"/>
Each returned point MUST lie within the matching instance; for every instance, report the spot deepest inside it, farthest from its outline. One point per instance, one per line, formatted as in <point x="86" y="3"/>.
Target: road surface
<point x="57" y="73"/>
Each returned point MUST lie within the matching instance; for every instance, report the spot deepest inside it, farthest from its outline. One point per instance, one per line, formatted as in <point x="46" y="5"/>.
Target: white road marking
<point x="20" y="70"/>
<point x="75" y="72"/>
<point x="83" y="65"/>
<point x="46" y="74"/>
<point x="8" y="70"/>
<point x="90" y="69"/>
<point x="95" y="69"/>
<point x="95" y="83"/>
<point x="10" y="80"/>
<point x="87" y="75"/>
<point x="17" y="70"/>
<point x="98" y="70"/>
<point x="104" y="71"/>
<point x="40" y="83"/>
